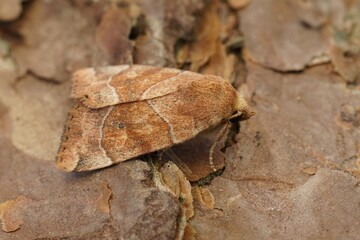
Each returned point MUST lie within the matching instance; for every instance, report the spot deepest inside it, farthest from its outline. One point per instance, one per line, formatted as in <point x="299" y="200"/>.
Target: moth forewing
<point x="122" y="112"/>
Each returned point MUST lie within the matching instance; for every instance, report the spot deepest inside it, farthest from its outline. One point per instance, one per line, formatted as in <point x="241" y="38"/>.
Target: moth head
<point x="242" y="111"/>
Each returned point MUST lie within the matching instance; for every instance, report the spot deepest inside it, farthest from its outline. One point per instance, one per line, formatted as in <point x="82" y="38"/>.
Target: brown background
<point x="290" y="172"/>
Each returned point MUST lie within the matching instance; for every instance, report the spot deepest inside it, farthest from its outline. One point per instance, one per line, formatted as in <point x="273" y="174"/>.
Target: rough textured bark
<point x="291" y="172"/>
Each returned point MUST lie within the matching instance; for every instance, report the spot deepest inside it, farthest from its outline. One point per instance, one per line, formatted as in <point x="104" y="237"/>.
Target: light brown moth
<point x="122" y="112"/>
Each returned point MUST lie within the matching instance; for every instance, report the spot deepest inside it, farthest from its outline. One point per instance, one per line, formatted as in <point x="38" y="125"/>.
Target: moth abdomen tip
<point x="65" y="163"/>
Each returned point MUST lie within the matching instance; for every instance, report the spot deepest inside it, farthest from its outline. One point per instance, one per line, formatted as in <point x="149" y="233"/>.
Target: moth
<point x="122" y="112"/>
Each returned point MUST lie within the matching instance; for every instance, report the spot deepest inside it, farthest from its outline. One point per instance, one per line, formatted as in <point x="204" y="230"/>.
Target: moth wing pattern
<point x="126" y="111"/>
<point x="97" y="138"/>
<point x="106" y="86"/>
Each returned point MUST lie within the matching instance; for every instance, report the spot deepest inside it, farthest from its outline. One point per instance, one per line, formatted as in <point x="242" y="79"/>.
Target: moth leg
<point x="219" y="136"/>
